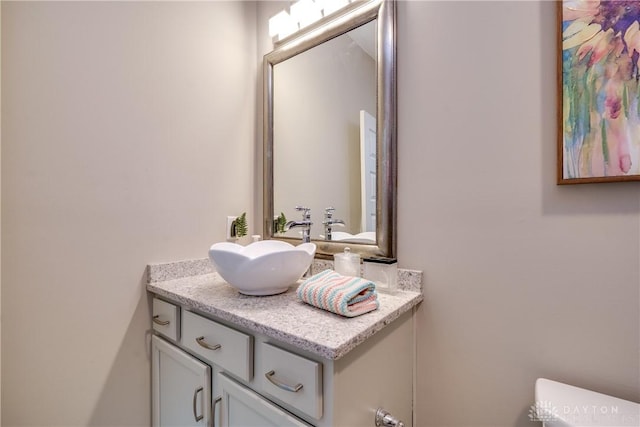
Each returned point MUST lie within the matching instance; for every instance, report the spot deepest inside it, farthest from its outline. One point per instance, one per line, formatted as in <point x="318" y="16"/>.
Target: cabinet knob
<point x="385" y="419"/>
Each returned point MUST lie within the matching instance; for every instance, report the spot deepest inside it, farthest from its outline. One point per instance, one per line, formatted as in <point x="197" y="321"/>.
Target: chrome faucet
<point x="329" y="222"/>
<point x="305" y="224"/>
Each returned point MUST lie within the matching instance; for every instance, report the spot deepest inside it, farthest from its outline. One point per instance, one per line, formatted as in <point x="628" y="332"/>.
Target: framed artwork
<point x="599" y="91"/>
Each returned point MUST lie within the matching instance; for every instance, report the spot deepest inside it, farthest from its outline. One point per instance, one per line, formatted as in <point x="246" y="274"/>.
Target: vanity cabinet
<point x="218" y="373"/>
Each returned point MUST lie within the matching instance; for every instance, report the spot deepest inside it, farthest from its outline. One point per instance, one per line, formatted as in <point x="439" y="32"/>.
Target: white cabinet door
<point x="241" y="407"/>
<point x="181" y="387"/>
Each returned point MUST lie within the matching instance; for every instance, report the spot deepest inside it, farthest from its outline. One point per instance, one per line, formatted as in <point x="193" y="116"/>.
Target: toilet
<point x="562" y="405"/>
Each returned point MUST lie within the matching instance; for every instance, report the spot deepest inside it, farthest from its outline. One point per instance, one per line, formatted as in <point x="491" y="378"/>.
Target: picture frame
<point x="598" y="91"/>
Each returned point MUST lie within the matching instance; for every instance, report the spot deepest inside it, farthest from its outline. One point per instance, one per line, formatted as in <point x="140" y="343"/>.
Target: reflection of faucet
<point x="330" y="222"/>
<point x="305" y="224"/>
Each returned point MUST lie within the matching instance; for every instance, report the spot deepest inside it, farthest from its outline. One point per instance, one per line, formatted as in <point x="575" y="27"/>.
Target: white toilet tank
<point x="562" y="405"/>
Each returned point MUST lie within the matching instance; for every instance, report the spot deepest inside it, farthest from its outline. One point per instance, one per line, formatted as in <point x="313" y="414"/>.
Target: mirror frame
<point x="354" y="15"/>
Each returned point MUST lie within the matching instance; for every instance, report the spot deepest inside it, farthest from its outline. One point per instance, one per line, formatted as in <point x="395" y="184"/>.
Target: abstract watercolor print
<point x="600" y="134"/>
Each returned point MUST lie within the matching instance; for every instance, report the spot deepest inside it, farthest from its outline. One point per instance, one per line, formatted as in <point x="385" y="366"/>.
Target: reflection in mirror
<point x="324" y="151"/>
<point x="330" y="129"/>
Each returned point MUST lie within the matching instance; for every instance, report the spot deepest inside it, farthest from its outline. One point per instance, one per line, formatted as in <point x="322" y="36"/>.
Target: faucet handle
<point x="328" y="212"/>
<point x="305" y="212"/>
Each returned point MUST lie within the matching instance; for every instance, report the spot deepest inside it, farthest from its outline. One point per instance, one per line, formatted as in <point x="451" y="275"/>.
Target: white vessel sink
<point x="267" y="267"/>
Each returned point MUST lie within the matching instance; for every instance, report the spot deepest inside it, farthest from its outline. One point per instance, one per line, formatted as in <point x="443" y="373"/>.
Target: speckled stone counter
<point x="283" y="316"/>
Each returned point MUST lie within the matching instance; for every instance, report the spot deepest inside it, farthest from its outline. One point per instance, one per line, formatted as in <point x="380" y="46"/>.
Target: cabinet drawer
<point x="292" y="379"/>
<point x="229" y="349"/>
<point x="242" y="407"/>
<point x="166" y="319"/>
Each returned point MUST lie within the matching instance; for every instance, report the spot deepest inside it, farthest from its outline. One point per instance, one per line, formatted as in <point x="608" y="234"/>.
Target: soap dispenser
<point x="346" y="263"/>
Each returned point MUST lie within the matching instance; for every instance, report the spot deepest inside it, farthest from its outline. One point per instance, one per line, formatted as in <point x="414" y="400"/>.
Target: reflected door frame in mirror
<point x="355" y="15"/>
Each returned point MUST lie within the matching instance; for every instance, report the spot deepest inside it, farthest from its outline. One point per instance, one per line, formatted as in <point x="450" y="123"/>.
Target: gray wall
<point x="0" y="219"/>
<point x="524" y="279"/>
<point x="128" y="136"/>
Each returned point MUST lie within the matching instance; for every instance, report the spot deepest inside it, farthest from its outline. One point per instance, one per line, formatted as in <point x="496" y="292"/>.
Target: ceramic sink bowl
<point x="267" y="267"/>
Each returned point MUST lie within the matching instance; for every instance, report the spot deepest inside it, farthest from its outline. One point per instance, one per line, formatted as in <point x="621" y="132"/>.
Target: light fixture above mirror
<point x="302" y="134"/>
<point x="302" y="14"/>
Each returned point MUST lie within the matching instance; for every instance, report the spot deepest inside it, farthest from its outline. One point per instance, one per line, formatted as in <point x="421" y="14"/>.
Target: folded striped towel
<point x="345" y="295"/>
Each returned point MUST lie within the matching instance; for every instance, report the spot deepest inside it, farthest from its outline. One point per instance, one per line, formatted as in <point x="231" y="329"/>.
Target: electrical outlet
<point x="231" y="230"/>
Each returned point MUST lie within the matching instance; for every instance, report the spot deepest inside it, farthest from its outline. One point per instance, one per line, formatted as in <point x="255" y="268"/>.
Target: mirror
<point x="326" y="132"/>
<point x="329" y="131"/>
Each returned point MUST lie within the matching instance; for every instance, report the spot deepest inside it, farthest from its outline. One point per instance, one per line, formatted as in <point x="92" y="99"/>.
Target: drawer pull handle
<point x="195" y="410"/>
<point x="294" y="389"/>
<point x="156" y="320"/>
<point x="213" y="409"/>
<point x="200" y="341"/>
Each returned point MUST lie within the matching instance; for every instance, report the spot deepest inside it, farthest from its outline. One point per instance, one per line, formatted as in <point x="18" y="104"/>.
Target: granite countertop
<point x="283" y="317"/>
